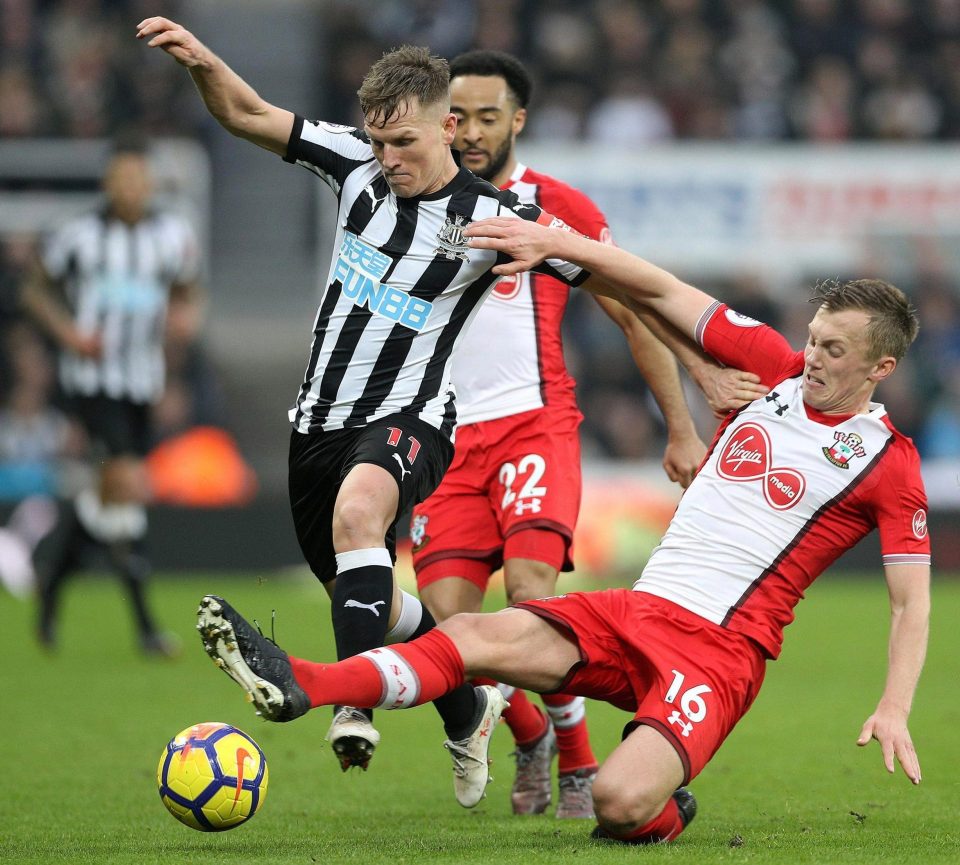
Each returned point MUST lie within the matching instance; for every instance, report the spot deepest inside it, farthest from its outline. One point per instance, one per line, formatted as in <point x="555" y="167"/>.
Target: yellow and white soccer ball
<point x="212" y="777"/>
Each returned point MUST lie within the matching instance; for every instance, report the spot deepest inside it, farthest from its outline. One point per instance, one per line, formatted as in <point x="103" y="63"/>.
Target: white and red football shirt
<point x="783" y="492"/>
<point x="511" y="358"/>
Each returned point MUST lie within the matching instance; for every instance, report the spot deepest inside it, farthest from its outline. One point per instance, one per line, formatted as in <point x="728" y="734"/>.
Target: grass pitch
<point x="81" y="731"/>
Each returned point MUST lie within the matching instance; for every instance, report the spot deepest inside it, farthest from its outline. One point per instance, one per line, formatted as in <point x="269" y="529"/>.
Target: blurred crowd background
<point x="637" y="73"/>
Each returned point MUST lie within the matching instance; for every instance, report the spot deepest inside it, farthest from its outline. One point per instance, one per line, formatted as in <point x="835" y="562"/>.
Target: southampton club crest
<point x="452" y="244"/>
<point x="418" y="532"/>
<point x="845" y="447"/>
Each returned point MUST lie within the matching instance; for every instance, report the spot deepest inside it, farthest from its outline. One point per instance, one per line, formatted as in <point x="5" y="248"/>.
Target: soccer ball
<point x="212" y="777"/>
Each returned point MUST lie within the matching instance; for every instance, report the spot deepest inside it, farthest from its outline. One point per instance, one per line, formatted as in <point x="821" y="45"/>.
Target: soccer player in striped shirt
<point x="101" y="288"/>
<point x="374" y="417"/>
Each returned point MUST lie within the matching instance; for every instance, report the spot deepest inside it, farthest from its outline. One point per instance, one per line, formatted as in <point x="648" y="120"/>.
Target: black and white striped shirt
<point x="117" y="278"/>
<point x="401" y="289"/>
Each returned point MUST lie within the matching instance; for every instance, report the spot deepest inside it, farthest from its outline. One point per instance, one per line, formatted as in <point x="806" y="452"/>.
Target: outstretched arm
<point x="685" y="450"/>
<point x="233" y="102"/>
<point x="529" y="243"/>
<point x="725" y="388"/>
<point x="909" y="589"/>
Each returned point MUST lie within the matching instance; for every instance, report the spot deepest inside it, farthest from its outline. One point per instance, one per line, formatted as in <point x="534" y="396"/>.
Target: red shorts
<point x="508" y="476"/>
<point x="688" y="678"/>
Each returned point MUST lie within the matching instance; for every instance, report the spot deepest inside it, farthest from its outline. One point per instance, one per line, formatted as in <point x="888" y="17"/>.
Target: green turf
<point x="81" y="732"/>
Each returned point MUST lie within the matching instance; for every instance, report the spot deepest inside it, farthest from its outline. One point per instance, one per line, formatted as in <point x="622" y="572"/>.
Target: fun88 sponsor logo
<point x="360" y="267"/>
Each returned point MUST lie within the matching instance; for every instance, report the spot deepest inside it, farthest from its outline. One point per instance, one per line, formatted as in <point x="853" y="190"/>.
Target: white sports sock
<point x="113" y="522"/>
<point x="411" y="614"/>
<point x="401" y="686"/>
<point x="361" y="558"/>
<point x="569" y="714"/>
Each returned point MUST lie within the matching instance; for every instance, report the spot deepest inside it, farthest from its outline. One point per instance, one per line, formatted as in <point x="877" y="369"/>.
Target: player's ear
<point x="449" y="128"/>
<point x="883" y="369"/>
<point x="519" y="120"/>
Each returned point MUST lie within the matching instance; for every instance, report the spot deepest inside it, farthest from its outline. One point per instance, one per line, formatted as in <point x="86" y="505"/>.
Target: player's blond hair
<point x="400" y="75"/>
<point x="893" y="321"/>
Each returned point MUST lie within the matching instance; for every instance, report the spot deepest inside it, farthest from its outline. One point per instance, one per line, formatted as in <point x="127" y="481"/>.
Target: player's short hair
<point x="400" y="75"/>
<point x="893" y="324"/>
<point x="495" y="63"/>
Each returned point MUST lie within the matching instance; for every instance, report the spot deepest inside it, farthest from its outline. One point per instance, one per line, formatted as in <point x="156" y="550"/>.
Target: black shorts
<point x="415" y="453"/>
<point x="116" y="427"/>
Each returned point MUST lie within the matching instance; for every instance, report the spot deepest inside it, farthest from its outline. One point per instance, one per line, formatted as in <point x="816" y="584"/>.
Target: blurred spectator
<point x="35" y="436"/>
<point x="631" y="109"/>
<point x="563" y="106"/>
<point x="822" y="107"/>
<point x="935" y="389"/>
<point x="904" y="109"/>
<point x="22" y="112"/>
<point x="821" y="28"/>
<point x="67" y="67"/>
<point x="747" y="294"/>
<point x="940" y="434"/>
<point x="567" y="42"/>
<point x="759" y="62"/>
<point x="445" y="25"/>
<point x="499" y="26"/>
<point x="696" y="96"/>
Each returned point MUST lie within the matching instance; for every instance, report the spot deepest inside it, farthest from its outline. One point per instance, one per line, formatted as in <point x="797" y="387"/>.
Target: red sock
<point x="326" y="684"/>
<point x="405" y="674"/>
<point x="525" y="720"/>
<point x="664" y="827"/>
<point x="573" y="740"/>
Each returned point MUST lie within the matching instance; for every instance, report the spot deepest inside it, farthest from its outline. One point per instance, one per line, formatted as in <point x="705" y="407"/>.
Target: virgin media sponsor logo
<point x="920" y="524"/>
<point x="748" y="457"/>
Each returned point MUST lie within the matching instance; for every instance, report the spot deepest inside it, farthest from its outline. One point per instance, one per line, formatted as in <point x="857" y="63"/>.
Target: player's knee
<point x="124" y="480"/>
<point x="622" y="807"/>
<point x="356" y="524"/>
<point x="526" y="580"/>
<point x="460" y="626"/>
<point x="442" y="607"/>
<point x="473" y="635"/>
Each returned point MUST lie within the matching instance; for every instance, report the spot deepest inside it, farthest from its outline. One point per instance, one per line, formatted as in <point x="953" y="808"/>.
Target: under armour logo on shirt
<point x="350" y="602"/>
<point x="774" y="397"/>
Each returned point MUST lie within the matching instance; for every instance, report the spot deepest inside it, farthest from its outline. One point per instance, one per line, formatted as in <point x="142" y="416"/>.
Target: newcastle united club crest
<point x="451" y="240"/>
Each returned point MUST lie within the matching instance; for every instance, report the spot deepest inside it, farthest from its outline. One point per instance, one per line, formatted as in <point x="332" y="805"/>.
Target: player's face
<point x="128" y="185"/>
<point x="413" y="148"/>
<point x="488" y="122"/>
<point x="838" y="376"/>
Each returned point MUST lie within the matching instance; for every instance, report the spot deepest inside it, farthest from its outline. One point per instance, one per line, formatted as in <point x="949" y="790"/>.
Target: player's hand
<point x="889" y="728"/>
<point x="682" y="457"/>
<point x="89" y="345"/>
<point x="527" y="243"/>
<point x="180" y="44"/>
<point x="728" y="389"/>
